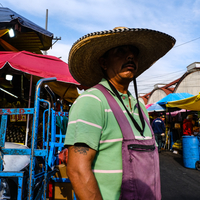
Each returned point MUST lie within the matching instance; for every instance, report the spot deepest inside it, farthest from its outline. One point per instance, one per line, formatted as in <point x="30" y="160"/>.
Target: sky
<point x="72" y="19"/>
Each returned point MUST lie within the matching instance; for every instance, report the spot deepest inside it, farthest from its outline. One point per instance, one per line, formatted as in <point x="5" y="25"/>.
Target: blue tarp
<point x="7" y="15"/>
<point x="156" y="108"/>
<point x="174" y="97"/>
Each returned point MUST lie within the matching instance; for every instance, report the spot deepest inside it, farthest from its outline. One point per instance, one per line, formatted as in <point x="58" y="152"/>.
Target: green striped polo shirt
<point x="91" y="121"/>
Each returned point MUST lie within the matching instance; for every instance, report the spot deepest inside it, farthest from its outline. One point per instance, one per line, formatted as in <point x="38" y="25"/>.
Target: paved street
<point x="178" y="182"/>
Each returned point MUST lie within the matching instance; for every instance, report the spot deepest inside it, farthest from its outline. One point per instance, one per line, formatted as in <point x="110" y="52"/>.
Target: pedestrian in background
<point x="158" y="127"/>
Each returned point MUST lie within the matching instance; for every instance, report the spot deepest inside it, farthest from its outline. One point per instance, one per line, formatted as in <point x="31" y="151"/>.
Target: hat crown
<point x="120" y="27"/>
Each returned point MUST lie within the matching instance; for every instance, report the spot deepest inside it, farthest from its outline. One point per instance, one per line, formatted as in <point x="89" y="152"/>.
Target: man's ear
<point x="102" y="62"/>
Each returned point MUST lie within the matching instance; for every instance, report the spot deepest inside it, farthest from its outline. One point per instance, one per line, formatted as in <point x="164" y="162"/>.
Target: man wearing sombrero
<point x="112" y="151"/>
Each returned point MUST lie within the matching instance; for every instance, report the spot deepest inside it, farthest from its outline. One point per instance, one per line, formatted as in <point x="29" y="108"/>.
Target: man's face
<point x="121" y="63"/>
<point x="163" y="118"/>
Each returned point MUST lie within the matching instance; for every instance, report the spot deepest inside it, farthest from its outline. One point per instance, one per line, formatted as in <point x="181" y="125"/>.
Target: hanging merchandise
<point x="19" y="117"/>
<point x="15" y="134"/>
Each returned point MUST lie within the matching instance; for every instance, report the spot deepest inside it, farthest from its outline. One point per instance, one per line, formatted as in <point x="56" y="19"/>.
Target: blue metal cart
<point x="34" y="186"/>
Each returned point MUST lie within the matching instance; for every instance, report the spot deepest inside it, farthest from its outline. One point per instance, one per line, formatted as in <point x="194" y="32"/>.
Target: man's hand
<point x="79" y="171"/>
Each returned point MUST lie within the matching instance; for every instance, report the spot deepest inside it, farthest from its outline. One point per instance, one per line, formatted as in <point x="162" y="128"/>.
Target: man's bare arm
<point x="79" y="171"/>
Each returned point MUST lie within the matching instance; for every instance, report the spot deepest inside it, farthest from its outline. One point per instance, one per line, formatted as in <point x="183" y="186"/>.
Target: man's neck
<point x="121" y="87"/>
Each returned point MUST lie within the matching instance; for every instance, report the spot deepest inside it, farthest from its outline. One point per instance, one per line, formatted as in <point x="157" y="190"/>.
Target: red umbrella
<point x="35" y="64"/>
<point x="41" y="66"/>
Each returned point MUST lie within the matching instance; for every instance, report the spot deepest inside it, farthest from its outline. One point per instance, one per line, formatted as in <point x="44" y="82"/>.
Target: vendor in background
<point x="195" y="125"/>
<point x="174" y="129"/>
<point x="188" y="126"/>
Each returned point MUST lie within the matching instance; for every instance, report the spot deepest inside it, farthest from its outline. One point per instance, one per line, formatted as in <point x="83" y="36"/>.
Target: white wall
<point x="141" y="100"/>
<point x="190" y="84"/>
<point x="156" y="96"/>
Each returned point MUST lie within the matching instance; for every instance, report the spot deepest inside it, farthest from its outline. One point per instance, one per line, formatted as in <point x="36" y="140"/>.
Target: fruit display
<point x="195" y="129"/>
<point x="177" y="145"/>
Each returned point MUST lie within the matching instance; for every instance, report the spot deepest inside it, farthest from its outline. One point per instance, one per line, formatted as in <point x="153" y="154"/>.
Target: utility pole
<point x="46" y="19"/>
<point x="46" y="24"/>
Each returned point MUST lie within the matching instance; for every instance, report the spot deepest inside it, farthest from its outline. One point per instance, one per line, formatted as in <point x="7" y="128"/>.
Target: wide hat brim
<point x="85" y="52"/>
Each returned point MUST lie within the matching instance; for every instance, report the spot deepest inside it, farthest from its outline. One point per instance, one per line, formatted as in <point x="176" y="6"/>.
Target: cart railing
<point x="33" y="152"/>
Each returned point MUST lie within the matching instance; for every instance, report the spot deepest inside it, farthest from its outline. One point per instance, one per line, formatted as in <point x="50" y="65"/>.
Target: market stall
<point x="23" y="65"/>
<point x="190" y="144"/>
<point x="173" y="97"/>
<point x="17" y="33"/>
<point x="191" y="103"/>
<point x="20" y="74"/>
<point x="19" y="92"/>
<point x="39" y="66"/>
<point x="36" y="166"/>
<point x="173" y="124"/>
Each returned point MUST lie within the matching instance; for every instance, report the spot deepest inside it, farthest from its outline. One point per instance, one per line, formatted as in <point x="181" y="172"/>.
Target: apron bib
<point x="140" y="159"/>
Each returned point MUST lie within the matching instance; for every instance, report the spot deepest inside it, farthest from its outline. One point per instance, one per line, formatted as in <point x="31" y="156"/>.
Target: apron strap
<point x="141" y="131"/>
<point x="118" y="113"/>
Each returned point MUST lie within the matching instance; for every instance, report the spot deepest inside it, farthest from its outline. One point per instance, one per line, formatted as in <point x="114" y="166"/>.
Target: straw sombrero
<point x="85" y="52"/>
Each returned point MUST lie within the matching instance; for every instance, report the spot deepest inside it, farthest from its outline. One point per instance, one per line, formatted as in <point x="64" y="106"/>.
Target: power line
<point x="186" y="42"/>
<point x="159" y="75"/>
<point x="156" y="76"/>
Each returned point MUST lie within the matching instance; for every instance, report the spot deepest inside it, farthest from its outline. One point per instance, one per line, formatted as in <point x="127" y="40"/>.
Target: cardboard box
<point x="63" y="191"/>
<point x="60" y="190"/>
<point x="62" y="173"/>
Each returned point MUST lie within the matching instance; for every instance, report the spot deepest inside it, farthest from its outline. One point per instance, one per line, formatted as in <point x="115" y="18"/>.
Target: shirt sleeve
<point x="85" y="121"/>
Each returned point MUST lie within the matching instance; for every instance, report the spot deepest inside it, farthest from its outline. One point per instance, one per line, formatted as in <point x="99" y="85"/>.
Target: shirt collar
<point x="104" y="82"/>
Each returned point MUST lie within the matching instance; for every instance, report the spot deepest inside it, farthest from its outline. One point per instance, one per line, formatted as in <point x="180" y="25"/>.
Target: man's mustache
<point x="128" y="63"/>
